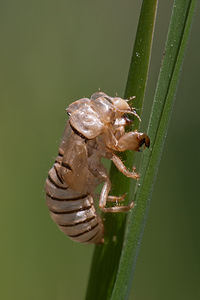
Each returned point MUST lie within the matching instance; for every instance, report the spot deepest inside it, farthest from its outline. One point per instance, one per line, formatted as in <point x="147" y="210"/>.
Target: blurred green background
<point x="55" y="52"/>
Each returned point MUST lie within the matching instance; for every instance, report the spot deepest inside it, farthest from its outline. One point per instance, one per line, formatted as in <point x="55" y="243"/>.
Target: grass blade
<point x="106" y="257"/>
<point x="179" y="29"/>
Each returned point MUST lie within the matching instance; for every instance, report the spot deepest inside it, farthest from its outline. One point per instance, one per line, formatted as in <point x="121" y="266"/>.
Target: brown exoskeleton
<point x="95" y="130"/>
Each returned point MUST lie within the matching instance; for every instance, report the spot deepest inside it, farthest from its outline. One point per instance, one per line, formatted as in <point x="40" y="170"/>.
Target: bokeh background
<point x="55" y="52"/>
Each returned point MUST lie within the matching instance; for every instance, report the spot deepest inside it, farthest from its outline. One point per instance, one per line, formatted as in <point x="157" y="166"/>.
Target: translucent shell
<point x="95" y="130"/>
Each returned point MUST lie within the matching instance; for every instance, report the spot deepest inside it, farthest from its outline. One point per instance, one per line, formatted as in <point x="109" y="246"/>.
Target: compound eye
<point x="121" y="104"/>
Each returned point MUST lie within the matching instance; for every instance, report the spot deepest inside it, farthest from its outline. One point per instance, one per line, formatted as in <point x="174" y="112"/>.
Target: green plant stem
<point x="179" y="29"/>
<point x="106" y="257"/>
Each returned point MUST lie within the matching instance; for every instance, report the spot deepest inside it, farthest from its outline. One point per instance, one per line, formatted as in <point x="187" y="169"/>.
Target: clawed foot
<point x="135" y="174"/>
<point x="116" y="199"/>
<point x="143" y="139"/>
<point x="117" y="208"/>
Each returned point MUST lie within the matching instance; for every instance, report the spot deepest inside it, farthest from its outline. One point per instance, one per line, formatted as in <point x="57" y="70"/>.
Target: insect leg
<point x="133" y="141"/>
<point x="121" y="167"/>
<point x="118" y="209"/>
<point x="113" y="198"/>
<point x="104" y="198"/>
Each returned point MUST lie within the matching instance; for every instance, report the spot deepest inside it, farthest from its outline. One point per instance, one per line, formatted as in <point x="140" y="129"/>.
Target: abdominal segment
<point x="72" y="211"/>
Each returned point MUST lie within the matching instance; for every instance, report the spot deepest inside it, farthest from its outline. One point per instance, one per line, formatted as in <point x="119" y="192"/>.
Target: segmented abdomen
<point x="73" y="212"/>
